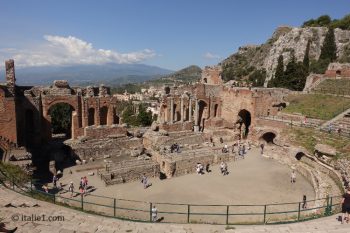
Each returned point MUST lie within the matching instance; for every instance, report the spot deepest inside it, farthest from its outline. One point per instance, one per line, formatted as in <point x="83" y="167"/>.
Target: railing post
<point x="82" y="202"/>
<point x="188" y="213"/>
<point x="13" y="183"/>
<point x="227" y="212"/>
<point x="114" y="206"/>
<point x="31" y="186"/>
<point x="327" y="207"/>
<point x="330" y="205"/>
<point x="264" y="214"/>
<point x="150" y="211"/>
<point x="54" y="199"/>
<point x="299" y="212"/>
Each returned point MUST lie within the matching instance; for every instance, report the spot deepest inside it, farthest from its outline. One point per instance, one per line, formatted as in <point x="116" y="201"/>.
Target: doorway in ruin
<point x="91" y="116"/>
<point x="29" y="127"/>
<point x="174" y="113"/>
<point x="61" y="120"/>
<point x="216" y="110"/>
<point x="116" y="119"/>
<point x="299" y="155"/>
<point x="268" y="137"/>
<point x="202" y="113"/>
<point x="103" y="115"/>
<point x="2" y="152"/>
<point x="244" y="121"/>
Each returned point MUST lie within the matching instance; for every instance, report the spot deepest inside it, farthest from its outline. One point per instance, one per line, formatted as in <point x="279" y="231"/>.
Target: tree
<point x="144" y="117"/>
<point x="329" y="48"/>
<point x="306" y="60"/>
<point x="61" y="118"/>
<point x="257" y="78"/>
<point x="295" y="75"/>
<point x="278" y="79"/>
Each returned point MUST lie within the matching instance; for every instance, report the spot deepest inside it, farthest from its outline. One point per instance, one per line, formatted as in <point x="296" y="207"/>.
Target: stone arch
<point x="244" y="119"/>
<point x="58" y="120"/>
<point x="205" y="80"/>
<point x="338" y="72"/>
<point x="167" y="90"/>
<point x="91" y="116"/>
<point x="299" y="155"/>
<point x="202" y="112"/>
<point x="103" y="115"/>
<point x="268" y="137"/>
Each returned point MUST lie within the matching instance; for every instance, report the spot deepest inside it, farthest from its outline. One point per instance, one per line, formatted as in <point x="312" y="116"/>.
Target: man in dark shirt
<point x="346" y="206"/>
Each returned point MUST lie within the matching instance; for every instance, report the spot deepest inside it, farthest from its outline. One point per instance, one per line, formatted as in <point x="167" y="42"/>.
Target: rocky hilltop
<point x="284" y="40"/>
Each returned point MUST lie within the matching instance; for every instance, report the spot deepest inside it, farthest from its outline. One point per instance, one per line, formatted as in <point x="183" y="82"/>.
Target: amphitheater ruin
<point x="200" y="118"/>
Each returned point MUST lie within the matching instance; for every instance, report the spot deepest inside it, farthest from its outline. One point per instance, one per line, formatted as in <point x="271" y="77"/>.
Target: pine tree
<point x="329" y="48"/>
<point x="278" y="79"/>
<point x="306" y="60"/>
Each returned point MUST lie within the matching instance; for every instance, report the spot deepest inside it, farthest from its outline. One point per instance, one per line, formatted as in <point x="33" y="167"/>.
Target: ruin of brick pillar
<point x="196" y="109"/>
<point x="10" y="76"/>
<point x="182" y="109"/>
<point x="171" y="110"/>
<point x="97" y="113"/>
<point x="75" y="124"/>
<point x="190" y="110"/>
<point x="110" y="114"/>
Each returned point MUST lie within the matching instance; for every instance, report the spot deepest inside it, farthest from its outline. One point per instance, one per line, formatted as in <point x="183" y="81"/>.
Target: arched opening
<point x="299" y="155"/>
<point x="205" y="80"/>
<point x="174" y="112"/>
<point x="1" y="154"/>
<point x="103" y="115"/>
<point x="202" y="113"/>
<point x="167" y="90"/>
<point x="91" y="116"/>
<point x="61" y="119"/>
<point x="178" y="116"/>
<point x="187" y="115"/>
<point x="244" y="120"/>
<point x="29" y="126"/>
<point x="216" y="110"/>
<point x="268" y="137"/>
<point x="116" y="119"/>
<point x="338" y="72"/>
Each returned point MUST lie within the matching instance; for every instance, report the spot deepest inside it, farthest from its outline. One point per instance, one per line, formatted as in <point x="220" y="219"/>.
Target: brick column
<point x="190" y="110"/>
<point x="171" y="110"/>
<point x="182" y="109"/>
<point x="196" y="109"/>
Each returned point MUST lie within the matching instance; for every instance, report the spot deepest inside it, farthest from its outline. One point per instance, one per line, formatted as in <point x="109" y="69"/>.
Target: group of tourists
<point x="144" y="181"/>
<point x="175" y="148"/>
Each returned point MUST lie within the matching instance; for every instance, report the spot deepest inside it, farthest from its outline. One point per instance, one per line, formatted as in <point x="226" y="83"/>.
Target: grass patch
<point x="334" y="86"/>
<point x="318" y="106"/>
<point x="15" y="172"/>
<point x="308" y="138"/>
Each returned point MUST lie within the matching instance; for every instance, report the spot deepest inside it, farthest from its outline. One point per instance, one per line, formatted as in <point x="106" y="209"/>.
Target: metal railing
<point x="180" y="212"/>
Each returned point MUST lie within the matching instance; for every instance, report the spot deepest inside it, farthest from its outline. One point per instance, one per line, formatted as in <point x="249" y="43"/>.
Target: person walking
<point x="346" y="206"/>
<point x="304" y="206"/>
<point x="71" y="188"/>
<point x="144" y="181"/>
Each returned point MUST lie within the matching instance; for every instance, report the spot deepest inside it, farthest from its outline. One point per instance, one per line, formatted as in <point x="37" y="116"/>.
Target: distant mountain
<point x="186" y="75"/>
<point x="110" y="74"/>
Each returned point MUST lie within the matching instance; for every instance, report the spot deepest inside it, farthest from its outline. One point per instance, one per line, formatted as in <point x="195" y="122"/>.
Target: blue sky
<point x="170" y="34"/>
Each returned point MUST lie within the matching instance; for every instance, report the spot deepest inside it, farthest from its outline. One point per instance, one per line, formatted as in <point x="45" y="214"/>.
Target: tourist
<point x="81" y="189"/>
<point x="85" y="184"/>
<point x="54" y="181"/>
<point x="304" y="206"/>
<point x="71" y="188"/>
<point x="293" y="177"/>
<point x="207" y="168"/>
<point x="144" y="181"/>
<point x="262" y="145"/>
<point x="200" y="169"/>
<point x="223" y="168"/>
<point x="46" y="188"/>
<point x="154" y="214"/>
<point x="221" y="140"/>
<point x="346" y="206"/>
<point x="225" y="149"/>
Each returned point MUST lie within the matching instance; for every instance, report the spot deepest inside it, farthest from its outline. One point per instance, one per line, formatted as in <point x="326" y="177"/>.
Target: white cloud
<point x="209" y="55"/>
<point x="58" y="50"/>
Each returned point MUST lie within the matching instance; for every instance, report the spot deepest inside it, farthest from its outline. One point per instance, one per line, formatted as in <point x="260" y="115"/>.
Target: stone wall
<point x="100" y="132"/>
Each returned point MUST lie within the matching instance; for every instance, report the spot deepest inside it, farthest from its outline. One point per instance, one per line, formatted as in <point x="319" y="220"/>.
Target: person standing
<point x="293" y="177"/>
<point x="262" y="148"/>
<point x="154" y="213"/>
<point x="346" y="206"/>
<point x="144" y="181"/>
<point x="71" y="188"/>
<point x="54" y="181"/>
<point x="304" y="206"/>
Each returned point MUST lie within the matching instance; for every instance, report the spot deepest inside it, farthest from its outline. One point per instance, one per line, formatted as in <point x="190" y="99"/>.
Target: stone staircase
<point x="342" y="122"/>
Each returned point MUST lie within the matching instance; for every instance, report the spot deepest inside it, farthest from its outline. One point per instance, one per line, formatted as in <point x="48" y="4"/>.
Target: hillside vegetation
<point x="334" y="86"/>
<point x="326" y="21"/>
<point x="319" y="106"/>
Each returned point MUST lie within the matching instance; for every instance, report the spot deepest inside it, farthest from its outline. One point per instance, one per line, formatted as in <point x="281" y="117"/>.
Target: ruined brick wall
<point x="8" y="126"/>
<point x="97" y="132"/>
<point x="212" y="75"/>
<point x="338" y="70"/>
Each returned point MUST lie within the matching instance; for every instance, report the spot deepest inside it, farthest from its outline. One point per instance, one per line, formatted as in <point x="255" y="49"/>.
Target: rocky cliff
<point x="283" y="41"/>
